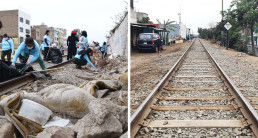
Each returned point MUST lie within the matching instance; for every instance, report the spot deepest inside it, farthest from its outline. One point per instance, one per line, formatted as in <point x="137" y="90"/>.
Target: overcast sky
<point x="94" y="16"/>
<point x="194" y="13"/>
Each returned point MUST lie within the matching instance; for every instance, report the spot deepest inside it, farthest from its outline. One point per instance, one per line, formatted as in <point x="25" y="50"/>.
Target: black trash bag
<point x="55" y="55"/>
<point x="25" y="68"/>
<point x="7" y="73"/>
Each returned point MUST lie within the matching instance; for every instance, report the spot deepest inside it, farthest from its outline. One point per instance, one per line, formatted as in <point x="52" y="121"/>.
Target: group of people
<point x="79" y="48"/>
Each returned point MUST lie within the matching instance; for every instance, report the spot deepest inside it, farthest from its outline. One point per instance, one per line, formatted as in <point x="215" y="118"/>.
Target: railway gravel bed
<point x="147" y="69"/>
<point x="187" y="83"/>
<point x="244" y="67"/>
<point x="197" y="132"/>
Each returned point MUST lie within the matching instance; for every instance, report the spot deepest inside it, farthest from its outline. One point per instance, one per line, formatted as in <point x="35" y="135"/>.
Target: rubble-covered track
<point x="12" y="84"/>
<point x="196" y="83"/>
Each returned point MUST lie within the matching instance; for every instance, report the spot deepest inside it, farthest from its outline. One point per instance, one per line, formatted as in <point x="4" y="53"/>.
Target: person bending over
<point x="82" y="58"/>
<point x="27" y="48"/>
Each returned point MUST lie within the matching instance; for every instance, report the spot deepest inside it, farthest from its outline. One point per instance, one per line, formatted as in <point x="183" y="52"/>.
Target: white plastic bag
<point x="57" y="121"/>
<point x="35" y="112"/>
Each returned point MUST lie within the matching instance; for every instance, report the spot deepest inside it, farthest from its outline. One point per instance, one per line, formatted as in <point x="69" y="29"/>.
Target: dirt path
<point x="147" y="69"/>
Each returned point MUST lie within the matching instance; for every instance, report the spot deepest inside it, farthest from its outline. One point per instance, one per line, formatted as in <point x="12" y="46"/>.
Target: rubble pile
<point x="83" y="103"/>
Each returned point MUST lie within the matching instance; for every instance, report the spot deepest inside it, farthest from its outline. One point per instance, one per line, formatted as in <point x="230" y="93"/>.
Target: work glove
<point x="13" y="66"/>
<point x="96" y="70"/>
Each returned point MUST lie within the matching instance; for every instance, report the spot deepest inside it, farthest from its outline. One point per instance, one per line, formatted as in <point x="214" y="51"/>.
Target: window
<point x="28" y="22"/>
<point x="21" y="39"/>
<point x="37" y="33"/>
<point x="21" y="29"/>
<point x="21" y="19"/>
<point x="27" y="31"/>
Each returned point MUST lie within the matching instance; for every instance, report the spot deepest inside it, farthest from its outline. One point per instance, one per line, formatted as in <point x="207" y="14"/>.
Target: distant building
<point x="38" y="31"/>
<point x="16" y="24"/>
<point x="62" y="36"/>
<point x="56" y="36"/>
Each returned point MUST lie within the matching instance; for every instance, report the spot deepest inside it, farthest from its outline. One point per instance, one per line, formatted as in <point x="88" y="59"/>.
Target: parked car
<point x="147" y="41"/>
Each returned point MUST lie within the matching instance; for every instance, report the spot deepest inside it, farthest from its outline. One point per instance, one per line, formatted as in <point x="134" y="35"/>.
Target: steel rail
<point x="143" y="110"/>
<point x="248" y="111"/>
<point x="12" y="84"/>
<point x="137" y="119"/>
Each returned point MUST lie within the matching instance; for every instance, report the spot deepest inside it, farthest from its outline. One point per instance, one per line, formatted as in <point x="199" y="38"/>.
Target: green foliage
<point x="241" y="15"/>
<point x="167" y="25"/>
<point x="144" y="20"/>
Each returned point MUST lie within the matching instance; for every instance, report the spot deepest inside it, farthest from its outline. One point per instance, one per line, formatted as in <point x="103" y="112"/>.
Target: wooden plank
<point x="197" y="76"/>
<point x="243" y="88"/>
<point x="252" y="98"/>
<point x="193" y="89"/>
<point x="233" y="76"/>
<point x="198" y="81"/>
<point x="197" y="58"/>
<point x="195" y="68"/>
<point x="192" y="107"/>
<point x="134" y="106"/>
<point x="196" y="123"/>
<point x="194" y="98"/>
<point x="255" y="107"/>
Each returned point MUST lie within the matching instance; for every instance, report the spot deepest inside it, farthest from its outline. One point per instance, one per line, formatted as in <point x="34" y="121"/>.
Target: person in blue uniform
<point x="7" y="47"/>
<point x="104" y="50"/>
<point x="46" y="42"/>
<point x="82" y="58"/>
<point x="27" y="48"/>
<point x="83" y="41"/>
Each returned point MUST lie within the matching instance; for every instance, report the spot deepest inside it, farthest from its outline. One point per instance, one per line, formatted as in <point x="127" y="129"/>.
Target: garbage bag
<point x="63" y="98"/>
<point x="34" y="111"/>
<point x="7" y="73"/>
<point x="55" y="55"/>
<point x="93" y="86"/>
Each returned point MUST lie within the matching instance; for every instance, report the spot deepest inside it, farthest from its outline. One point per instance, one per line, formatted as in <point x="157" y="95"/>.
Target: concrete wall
<point x="182" y="31"/>
<point x="118" y="41"/>
<point x="24" y="25"/>
<point x="133" y="16"/>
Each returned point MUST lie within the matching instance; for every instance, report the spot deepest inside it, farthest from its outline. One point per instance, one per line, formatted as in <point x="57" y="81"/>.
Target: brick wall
<point x="10" y="23"/>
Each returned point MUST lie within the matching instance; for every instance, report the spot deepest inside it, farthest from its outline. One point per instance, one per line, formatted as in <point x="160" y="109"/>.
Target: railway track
<point x="15" y="83"/>
<point x="194" y="97"/>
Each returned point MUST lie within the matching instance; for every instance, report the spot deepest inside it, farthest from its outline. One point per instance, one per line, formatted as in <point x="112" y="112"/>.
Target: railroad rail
<point x="212" y="78"/>
<point x="12" y="84"/>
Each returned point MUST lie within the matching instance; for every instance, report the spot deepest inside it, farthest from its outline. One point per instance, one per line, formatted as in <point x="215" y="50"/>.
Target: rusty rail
<point x="15" y="83"/>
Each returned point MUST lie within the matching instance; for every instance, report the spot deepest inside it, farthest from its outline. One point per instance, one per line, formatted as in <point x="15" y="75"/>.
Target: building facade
<point x="62" y="36"/>
<point x="16" y="24"/>
<point x="38" y="32"/>
<point x="56" y="37"/>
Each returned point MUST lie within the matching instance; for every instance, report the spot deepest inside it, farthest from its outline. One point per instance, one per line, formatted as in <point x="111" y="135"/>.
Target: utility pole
<point x="222" y="16"/>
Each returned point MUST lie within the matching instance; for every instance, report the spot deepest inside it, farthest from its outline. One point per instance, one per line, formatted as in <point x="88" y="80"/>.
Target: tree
<point x="167" y="25"/>
<point x="245" y="14"/>
<point x="144" y="20"/>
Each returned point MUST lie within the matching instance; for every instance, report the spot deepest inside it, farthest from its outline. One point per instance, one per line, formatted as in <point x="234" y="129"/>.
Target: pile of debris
<point x="63" y="110"/>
